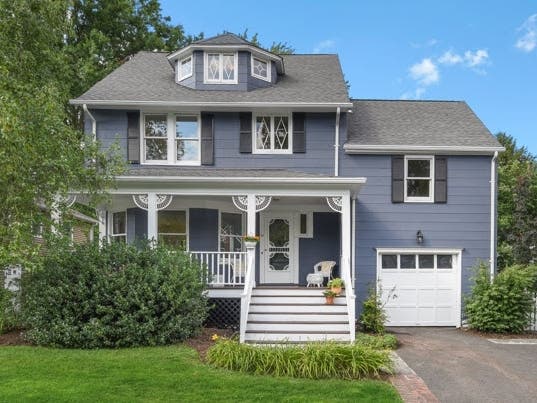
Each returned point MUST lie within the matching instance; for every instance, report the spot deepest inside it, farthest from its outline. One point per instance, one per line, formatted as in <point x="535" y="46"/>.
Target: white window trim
<point x="309" y="225"/>
<point x="221" y="80"/>
<point x="179" y="69"/>
<point x="269" y="68"/>
<point x="272" y="150"/>
<point x="229" y="211"/>
<point x="430" y="198"/>
<point x="171" y="140"/>
<point x="187" y="226"/>
<point x="111" y="225"/>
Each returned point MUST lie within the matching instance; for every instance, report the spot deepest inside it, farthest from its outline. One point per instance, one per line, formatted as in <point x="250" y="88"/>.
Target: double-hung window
<point x="172" y="228"/>
<point x="184" y="68"/>
<point x="419" y="179"/>
<point x="221" y="68"/>
<point x="272" y="134"/>
<point x="231" y="232"/>
<point x="171" y="139"/>
<point x="119" y="226"/>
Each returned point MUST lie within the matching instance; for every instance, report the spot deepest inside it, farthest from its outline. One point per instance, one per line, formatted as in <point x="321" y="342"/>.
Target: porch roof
<point x="236" y="179"/>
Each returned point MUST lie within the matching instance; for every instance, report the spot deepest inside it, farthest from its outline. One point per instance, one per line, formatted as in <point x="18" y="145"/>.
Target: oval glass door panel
<point x="278" y="249"/>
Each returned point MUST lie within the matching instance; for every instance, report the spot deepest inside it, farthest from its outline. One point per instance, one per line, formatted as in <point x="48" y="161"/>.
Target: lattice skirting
<point x="225" y="313"/>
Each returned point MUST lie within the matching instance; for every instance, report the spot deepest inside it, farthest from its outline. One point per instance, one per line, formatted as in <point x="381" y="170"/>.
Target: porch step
<point x="295" y="315"/>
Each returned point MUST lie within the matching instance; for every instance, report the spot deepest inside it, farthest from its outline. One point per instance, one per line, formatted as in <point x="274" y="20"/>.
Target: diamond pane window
<point x="272" y="134"/>
<point x="213" y="67"/>
<point x="221" y="68"/>
<point x="260" y="69"/>
<point x="228" y="67"/>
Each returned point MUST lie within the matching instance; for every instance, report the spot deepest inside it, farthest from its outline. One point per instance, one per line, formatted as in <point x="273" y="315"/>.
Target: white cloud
<point x="416" y="94"/>
<point x="528" y="41"/>
<point x="476" y="58"/>
<point x="450" y="58"/>
<point x="425" y="72"/>
<point x="324" y="45"/>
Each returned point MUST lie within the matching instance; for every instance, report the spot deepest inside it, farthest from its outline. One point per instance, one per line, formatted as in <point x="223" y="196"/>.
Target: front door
<point x="278" y="250"/>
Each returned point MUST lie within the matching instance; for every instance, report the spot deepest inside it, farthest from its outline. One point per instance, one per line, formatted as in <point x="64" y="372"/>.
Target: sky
<point x="482" y="52"/>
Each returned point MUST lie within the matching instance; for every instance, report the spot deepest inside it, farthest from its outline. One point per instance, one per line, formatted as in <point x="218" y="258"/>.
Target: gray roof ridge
<point x="404" y="100"/>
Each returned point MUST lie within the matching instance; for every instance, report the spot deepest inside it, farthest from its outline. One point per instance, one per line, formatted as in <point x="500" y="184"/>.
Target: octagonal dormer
<point x="225" y="62"/>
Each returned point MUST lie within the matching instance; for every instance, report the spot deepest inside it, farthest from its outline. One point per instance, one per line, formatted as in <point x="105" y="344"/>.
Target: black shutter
<point x="207" y="139"/>
<point x="440" y="180"/>
<point x="299" y="132"/>
<point x="245" y="132"/>
<point x="398" y="179"/>
<point x="133" y="137"/>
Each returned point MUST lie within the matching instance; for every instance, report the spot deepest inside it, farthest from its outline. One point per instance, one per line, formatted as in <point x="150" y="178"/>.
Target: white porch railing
<point x="350" y="297"/>
<point x="223" y="268"/>
<point x="249" y="284"/>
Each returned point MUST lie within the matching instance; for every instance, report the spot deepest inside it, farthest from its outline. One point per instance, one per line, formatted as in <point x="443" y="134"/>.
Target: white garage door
<point x="420" y="287"/>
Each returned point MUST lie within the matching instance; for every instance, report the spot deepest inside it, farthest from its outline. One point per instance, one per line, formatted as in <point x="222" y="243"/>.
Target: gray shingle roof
<point x="148" y="77"/>
<point x="224" y="39"/>
<point x="417" y="123"/>
<point x="217" y="173"/>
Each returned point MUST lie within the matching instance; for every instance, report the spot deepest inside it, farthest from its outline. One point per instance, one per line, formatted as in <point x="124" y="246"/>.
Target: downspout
<point x="336" y="145"/>
<point x="493" y="215"/>
<point x="93" y="121"/>
<point x="353" y="241"/>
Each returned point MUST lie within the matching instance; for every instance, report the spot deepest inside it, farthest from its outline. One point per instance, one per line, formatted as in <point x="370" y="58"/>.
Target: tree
<point x="279" y="48"/>
<point x="41" y="156"/>
<point x="517" y="204"/>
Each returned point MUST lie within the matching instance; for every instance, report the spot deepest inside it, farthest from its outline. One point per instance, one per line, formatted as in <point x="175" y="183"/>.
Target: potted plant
<point x="250" y="240"/>
<point x="335" y="285"/>
<point x="329" y="295"/>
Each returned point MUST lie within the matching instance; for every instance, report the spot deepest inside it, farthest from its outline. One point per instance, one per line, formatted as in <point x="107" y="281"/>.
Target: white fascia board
<point x="405" y="149"/>
<point x="205" y="105"/>
<point x="253" y="49"/>
<point x="440" y="251"/>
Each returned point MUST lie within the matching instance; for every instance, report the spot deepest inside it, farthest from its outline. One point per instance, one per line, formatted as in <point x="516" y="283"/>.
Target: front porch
<point x="299" y="223"/>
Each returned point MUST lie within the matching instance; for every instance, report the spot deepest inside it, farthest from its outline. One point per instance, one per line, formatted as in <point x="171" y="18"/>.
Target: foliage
<point x="329" y="294"/>
<point x="517" y="204"/>
<point x="373" y="316"/>
<point x="505" y="305"/>
<point x="116" y="295"/>
<point x="7" y="313"/>
<point x="279" y="48"/>
<point x="315" y="360"/>
<point x="377" y="342"/>
<point x="165" y="374"/>
<point x="336" y="283"/>
<point x="41" y="155"/>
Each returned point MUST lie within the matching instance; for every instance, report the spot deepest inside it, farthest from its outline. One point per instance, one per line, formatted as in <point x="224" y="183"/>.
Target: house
<point x="225" y="139"/>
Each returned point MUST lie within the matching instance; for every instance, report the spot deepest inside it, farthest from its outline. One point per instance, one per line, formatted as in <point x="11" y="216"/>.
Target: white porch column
<point x="346" y="269"/>
<point x="250" y="227"/>
<point x="152" y="218"/>
<point x="101" y="216"/>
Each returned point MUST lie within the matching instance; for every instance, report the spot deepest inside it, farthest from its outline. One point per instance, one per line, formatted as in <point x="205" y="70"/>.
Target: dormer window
<point x="221" y="68"/>
<point x="260" y="69"/>
<point x="184" y="68"/>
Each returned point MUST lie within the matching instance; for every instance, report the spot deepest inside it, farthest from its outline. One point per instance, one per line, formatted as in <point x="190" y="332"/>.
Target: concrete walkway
<point x="461" y="367"/>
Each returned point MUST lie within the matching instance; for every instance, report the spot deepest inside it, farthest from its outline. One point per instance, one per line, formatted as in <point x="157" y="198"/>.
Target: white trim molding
<point x="253" y="58"/>
<point x="179" y="66"/>
<point x="405" y="149"/>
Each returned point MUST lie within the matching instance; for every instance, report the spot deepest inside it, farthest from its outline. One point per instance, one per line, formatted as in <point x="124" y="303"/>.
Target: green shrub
<point x="377" y="342"/>
<point x="315" y="361"/>
<point x="116" y="295"/>
<point x="373" y="316"/>
<point x="6" y="308"/>
<point x="505" y="305"/>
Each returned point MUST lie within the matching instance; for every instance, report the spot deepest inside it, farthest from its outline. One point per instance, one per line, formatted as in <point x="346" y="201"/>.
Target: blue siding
<point x="325" y="244"/>
<point x="203" y="227"/>
<point x="111" y="128"/>
<point x="464" y="222"/>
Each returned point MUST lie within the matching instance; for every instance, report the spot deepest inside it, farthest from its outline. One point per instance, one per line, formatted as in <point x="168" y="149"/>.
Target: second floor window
<point x="272" y="134"/>
<point x="419" y="174"/>
<point x="171" y="139"/>
<point x="221" y="68"/>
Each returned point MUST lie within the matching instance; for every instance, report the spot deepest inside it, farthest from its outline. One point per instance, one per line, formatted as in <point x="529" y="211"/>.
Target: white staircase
<point x="295" y="315"/>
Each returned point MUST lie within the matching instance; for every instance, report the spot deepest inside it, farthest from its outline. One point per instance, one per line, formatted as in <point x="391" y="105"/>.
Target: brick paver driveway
<point x="462" y="367"/>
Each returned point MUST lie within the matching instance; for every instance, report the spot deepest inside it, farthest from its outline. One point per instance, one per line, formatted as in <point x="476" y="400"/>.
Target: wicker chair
<point x="323" y="269"/>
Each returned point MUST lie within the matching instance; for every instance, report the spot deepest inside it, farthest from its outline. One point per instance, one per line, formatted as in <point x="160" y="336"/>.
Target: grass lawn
<point x="171" y="373"/>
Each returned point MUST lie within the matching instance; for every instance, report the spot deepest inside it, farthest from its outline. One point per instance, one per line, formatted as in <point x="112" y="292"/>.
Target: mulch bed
<point x="203" y="341"/>
<point x="527" y="335"/>
<point x="13" y="338"/>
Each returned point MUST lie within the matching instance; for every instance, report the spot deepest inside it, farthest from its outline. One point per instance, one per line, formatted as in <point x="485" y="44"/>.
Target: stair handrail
<point x="246" y="296"/>
<point x="350" y="296"/>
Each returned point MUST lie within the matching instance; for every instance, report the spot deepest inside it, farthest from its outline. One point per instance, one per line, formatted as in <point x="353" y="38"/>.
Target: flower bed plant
<point x="316" y="360"/>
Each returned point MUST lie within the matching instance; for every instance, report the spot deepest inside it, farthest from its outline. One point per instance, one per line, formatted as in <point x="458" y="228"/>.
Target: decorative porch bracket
<point x="152" y="203"/>
<point x="261" y="202"/>
<point x="335" y="203"/>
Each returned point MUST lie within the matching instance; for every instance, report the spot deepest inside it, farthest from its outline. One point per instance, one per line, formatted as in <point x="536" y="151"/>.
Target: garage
<point x="420" y="287"/>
